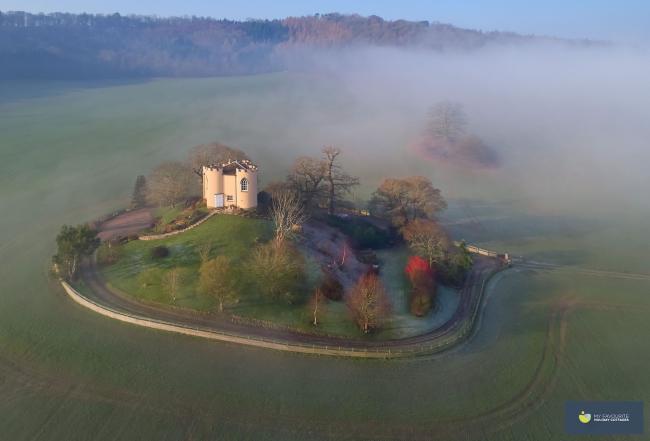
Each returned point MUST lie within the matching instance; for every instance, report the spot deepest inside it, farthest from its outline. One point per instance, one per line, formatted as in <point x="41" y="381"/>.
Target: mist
<point x="570" y="125"/>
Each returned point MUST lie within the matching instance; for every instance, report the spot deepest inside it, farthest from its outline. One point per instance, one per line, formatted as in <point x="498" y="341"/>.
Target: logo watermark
<point x="603" y="417"/>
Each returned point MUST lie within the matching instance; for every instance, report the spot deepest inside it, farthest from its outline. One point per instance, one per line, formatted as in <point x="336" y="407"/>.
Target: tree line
<point x="62" y="45"/>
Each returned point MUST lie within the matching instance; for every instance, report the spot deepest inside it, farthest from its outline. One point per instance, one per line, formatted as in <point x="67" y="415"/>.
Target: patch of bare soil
<point x="331" y="249"/>
<point x="131" y="222"/>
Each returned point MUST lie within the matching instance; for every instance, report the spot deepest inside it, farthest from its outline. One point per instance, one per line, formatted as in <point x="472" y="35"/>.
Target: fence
<point x="457" y="334"/>
<point x="483" y="252"/>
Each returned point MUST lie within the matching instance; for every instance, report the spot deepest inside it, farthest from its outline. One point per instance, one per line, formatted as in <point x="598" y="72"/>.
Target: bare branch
<point x="287" y="213"/>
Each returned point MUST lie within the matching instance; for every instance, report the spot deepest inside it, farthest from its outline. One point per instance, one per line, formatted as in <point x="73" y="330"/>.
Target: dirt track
<point x="130" y="222"/>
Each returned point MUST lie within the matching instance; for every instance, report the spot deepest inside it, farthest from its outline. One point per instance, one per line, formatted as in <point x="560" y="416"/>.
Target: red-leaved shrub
<point x="423" y="285"/>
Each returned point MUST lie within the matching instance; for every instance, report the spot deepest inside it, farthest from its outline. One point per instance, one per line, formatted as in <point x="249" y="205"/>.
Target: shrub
<point x="416" y="265"/>
<point x="279" y="270"/>
<point x="263" y="203"/>
<point x="423" y="285"/>
<point x="456" y="266"/>
<point x="192" y="202"/>
<point x="196" y="216"/>
<point x="362" y="233"/>
<point x="331" y="287"/>
<point x="420" y="303"/>
<point x="159" y="252"/>
<point x="219" y="280"/>
<point x="368" y="257"/>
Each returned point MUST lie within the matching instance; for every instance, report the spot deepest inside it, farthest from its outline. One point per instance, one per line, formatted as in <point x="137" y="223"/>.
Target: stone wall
<point x="174" y="233"/>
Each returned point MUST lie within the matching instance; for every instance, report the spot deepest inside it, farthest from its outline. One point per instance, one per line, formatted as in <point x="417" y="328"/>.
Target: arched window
<point x="244" y="184"/>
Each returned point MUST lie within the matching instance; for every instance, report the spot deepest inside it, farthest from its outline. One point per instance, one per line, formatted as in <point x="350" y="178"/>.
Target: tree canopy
<point x="447" y="120"/>
<point x="170" y="182"/>
<point x="73" y="243"/>
<point x="339" y="183"/>
<point x="427" y="239"/>
<point x="139" y="198"/>
<point x="369" y="302"/>
<point x="218" y="280"/>
<point x="404" y="200"/>
<point x="213" y="153"/>
<point x="279" y="270"/>
<point x="307" y="179"/>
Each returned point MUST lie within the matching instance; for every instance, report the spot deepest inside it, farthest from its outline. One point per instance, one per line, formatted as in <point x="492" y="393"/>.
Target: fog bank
<point x="571" y="125"/>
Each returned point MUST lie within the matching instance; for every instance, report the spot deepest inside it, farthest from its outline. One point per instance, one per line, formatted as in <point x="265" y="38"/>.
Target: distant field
<point x="71" y="152"/>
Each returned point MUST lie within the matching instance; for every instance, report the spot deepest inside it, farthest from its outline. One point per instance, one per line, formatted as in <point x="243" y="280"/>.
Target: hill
<point x="67" y="46"/>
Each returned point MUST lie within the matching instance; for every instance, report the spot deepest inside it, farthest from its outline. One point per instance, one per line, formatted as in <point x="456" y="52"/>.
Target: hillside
<point x="62" y="45"/>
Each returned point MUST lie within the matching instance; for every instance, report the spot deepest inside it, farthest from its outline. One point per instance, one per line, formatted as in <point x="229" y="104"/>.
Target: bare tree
<point x="339" y="184"/>
<point x="287" y="213"/>
<point x="307" y="179"/>
<point x="404" y="200"/>
<point x="171" y="282"/>
<point x="368" y="302"/>
<point x="447" y="120"/>
<point x="213" y="153"/>
<point x="317" y="305"/>
<point x="428" y="240"/>
<point x="218" y="279"/>
<point x="275" y="188"/>
<point x="169" y="182"/>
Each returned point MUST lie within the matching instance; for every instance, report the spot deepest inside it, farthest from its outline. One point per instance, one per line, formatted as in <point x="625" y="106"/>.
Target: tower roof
<point x="244" y="164"/>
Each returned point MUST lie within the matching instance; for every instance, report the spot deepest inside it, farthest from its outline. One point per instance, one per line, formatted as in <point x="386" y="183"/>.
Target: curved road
<point x="454" y="331"/>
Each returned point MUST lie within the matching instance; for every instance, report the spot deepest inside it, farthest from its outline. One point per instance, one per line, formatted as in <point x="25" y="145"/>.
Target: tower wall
<point x="212" y="184"/>
<point x="247" y="199"/>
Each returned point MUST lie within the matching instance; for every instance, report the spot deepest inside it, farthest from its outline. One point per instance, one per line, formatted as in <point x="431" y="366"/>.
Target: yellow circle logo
<point x="584" y="417"/>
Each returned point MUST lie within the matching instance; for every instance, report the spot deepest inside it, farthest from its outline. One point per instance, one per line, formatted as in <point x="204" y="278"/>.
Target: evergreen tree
<point x="139" y="198"/>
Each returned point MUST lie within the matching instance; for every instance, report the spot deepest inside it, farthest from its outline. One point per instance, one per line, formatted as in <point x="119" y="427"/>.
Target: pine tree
<point x="139" y="198"/>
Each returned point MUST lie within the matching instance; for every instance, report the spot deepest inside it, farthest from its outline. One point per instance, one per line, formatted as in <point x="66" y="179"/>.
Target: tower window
<point x="244" y="184"/>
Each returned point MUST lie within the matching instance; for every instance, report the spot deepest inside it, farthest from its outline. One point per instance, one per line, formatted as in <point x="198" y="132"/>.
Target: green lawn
<point x="138" y="274"/>
<point x="167" y="214"/>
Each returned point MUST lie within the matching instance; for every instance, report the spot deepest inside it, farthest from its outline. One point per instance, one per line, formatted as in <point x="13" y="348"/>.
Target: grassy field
<point x="140" y="275"/>
<point x="71" y="152"/>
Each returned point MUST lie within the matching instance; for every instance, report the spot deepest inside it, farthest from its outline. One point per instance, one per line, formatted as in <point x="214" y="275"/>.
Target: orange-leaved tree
<point x="369" y="302"/>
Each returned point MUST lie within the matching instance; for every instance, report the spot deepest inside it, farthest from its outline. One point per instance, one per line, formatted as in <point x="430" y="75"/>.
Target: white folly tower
<point x="231" y="184"/>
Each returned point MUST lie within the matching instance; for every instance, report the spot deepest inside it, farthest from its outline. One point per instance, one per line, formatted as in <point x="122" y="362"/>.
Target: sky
<point x="622" y="20"/>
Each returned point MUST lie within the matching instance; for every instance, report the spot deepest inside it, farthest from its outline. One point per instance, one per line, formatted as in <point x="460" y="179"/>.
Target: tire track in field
<point x="583" y="271"/>
<point x="197" y="417"/>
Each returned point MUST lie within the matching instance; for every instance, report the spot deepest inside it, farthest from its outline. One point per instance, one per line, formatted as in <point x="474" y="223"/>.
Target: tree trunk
<point x="220" y="305"/>
<point x="330" y="181"/>
<point x="73" y="267"/>
<point x="330" y="208"/>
